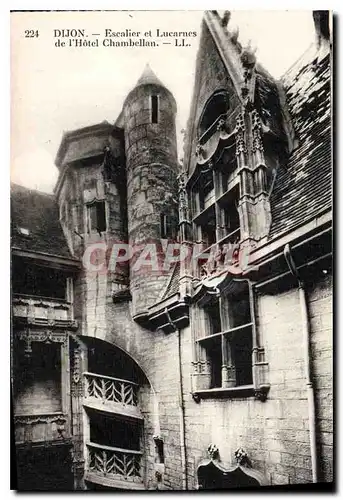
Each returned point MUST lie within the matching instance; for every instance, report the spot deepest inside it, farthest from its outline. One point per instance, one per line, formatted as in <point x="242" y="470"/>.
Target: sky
<point x="57" y="89"/>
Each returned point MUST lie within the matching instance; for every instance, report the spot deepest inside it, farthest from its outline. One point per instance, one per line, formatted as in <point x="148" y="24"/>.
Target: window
<point x="205" y="226"/>
<point x="229" y="217"/>
<point x="38" y="378"/>
<point x="37" y="281"/>
<point x="225" y="339"/>
<point x="159" y="449"/>
<point x="212" y="315"/>
<point x="203" y="192"/>
<point x="96" y="217"/>
<point x="215" y="215"/>
<point x="168" y="226"/>
<point x="216" y="107"/>
<point x="154" y="109"/>
<point x="226" y="171"/>
<point x="111" y="430"/>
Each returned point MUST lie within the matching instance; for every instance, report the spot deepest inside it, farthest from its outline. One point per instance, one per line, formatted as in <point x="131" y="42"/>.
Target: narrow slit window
<point x="159" y="449"/>
<point x="154" y="109"/>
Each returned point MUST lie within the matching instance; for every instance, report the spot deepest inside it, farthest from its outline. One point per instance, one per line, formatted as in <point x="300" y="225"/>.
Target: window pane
<point x="213" y="318"/>
<point x="239" y="310"/>
<point x="101" y="216"/>
<point x="110" y="431"/>
<point x="96" y="217"/>
<point x="154" y="109"/>
<point x="92" y="222"/>
<point x="214" y="356"/>
<point x="39" y="381"/>
<point x="38" y="281"/>
<point x="242" y="355"/>
<point x="216" y="106"/>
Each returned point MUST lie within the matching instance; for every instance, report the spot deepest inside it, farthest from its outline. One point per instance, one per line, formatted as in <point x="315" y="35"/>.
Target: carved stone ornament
<point x="261" y="393"/>
<point x="58" y="419"/>
<point x="257" y="143"/>
<point x="221" y="125"/>
<point x="240" y="135"/>
<point x="242" y="457"/>
<point x="46" y="336"/>
<point x="199" y="151"/>
<point x="213" y="474"/>
<point x="77" y="365"/>
<point x="213" y="451"/>
<point x="183" y="198"/>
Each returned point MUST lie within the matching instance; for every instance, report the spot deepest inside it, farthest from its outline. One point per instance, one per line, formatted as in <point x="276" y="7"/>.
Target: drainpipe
<point x="181" y="408"/>
<point x="307" y="353"/>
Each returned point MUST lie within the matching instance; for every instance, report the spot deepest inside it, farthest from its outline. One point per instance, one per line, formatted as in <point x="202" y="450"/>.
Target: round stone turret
<point x="152" y="168"/>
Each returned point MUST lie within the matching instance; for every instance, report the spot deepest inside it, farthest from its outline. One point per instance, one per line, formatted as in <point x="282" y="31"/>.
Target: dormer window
<point x="215" y="108"/>
<point x="215" y="209"/>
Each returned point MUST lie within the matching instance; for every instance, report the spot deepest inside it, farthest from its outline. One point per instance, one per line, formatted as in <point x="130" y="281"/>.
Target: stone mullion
<point x="201" y="368"/>
<point x="229" y="372"/>
<point x="223" y="322"/>
<point x="230" y="363"/>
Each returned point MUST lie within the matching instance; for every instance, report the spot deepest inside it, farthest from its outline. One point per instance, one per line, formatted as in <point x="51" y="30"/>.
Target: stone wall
<point x="320" y="311"/>
<point x="274" y="433"/>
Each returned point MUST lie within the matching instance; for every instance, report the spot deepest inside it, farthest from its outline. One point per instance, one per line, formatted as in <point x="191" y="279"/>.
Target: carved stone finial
<point x="182" y="180"/>
<point x="221" y="125"/>
<point x="242" y="457"/>
<point x="248" y="56"/>
<point x="234" y="34"/>
<point x="213" y="451"/>
<point x="226" y="18"/>
<point x="199" y="150"/>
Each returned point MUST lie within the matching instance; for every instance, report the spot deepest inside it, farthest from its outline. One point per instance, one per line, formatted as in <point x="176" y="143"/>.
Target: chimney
<point x="321" y="20"/>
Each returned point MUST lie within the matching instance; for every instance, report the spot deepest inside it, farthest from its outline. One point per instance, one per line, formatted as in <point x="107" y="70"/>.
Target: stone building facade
<point x="166" y="316"/>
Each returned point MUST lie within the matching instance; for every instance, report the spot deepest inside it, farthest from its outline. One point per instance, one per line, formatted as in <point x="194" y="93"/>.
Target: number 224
<point x="31" y="34"/>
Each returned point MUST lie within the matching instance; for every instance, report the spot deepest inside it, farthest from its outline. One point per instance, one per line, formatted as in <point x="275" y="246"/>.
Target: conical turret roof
<point x="148" y="76"/>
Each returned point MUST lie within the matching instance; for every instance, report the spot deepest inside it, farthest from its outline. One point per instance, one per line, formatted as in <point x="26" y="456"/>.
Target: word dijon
<point x="158" y="33"/>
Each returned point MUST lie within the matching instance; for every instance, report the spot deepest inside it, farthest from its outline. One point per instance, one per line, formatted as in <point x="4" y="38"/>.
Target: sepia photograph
<point x="171" y="250"/>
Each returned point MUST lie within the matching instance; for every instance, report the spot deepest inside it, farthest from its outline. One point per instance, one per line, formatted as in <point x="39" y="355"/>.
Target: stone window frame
<point x="201" y="374"/>
<point x="215" y="212"/>
<point x="89" y="228"/>
<point x="227" y="336"/>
